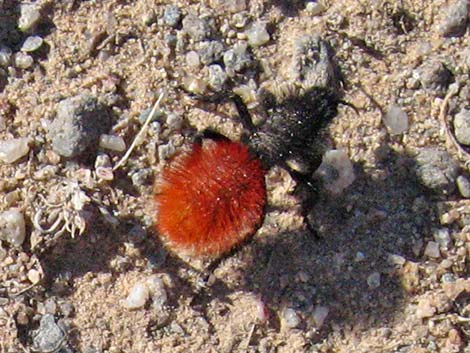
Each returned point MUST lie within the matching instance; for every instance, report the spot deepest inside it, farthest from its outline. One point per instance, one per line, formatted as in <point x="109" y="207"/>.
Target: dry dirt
<point x="106" y="48"/>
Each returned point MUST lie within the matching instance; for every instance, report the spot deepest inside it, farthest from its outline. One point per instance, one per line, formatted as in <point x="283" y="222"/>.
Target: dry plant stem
<point x="464" y="155"/>
<point x="140" y="133"/>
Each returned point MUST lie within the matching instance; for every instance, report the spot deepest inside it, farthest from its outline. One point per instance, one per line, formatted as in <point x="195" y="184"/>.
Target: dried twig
<point x="140" y="133"/>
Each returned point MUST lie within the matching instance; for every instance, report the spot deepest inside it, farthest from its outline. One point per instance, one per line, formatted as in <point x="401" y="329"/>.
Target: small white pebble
<point x="192" y="59"/>
<point x="23" y="61"/>
<point x="14" y="149"/>
<point x="432" y="250"/>
<point x="442" y="237"/>
<point x="373" y="281"/>
<point x="314" y="8"/>
<point x="319" y="315"/>
<point x="29" y="16"/>
<point x="424" y="309"/>
<point x="32" y="43"/>
<point x="336" y="170"/>
<point x="359" y="256"/>
<point x="257" y="34"/>
<point x="112" y="142"/>
<point x="12" y="227"/>
<point x="157" y="291"/>
<point x="290" y="318"/>
<point x="137" y="297"/>
<point x="396" y="259"/>
<point x="396" y="120"/>
<point x="34" y="276"/>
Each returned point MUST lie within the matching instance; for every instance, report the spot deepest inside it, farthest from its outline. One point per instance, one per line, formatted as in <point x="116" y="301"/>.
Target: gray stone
<point x="23" y="61"/>
<point x="32" y="43"/>
<point x="79" y="123"/>
<point x="14" y="149"/>
<point x="49" y="337"/>
<point x="217" y="77"/>
<point x="12" y="227"/>
<point x="433" y="76"/>
<point x="463" y="184"/>
<point x="456" y="20"/>
<point x="462" y="126"/>
<point x="197" y="28"/>
<point x="5" y="55"/>
<point x="312" y="63"/>
<point x="437" y="170"/>
<point x="172" y="15"/>
<point x="210" y="51"/>
<point x="237" y="58"/>
<point x="257" y="34"/>
<point x="29" y="16"/>
<point x="396" y="120"/>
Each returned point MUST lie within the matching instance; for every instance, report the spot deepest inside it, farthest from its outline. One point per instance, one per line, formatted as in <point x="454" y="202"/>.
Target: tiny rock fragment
<point x="32" y="43"/>
<point x="463" y="185"/>
<point x="79" y="123"/>
<point x="396" y="120"/>
<point x="14" y="149"/>
<point x="137" y="297"/>
<point x="432" y="250"/>
<point x="319" y="315"/>
<point x="5" y="55"/>
<point x="456" y="19"/>
<point x="12" y="227"/>
<point x="49" y="337"/>
<point x="34" y="276"/>
<point x="290" y="318"/>
<point x="29" y="16"/>
<point x="462" y="126"/>
<point x="336" y="170"/>
<point x="23" y="61"/>
<point x="373" y="281"/>
<point x="437" y="170"/>
<point x="425" y="309"/>
<point x="112" y="143"/>
<point x="257" y="34"/>
<point x="314" y="8"/>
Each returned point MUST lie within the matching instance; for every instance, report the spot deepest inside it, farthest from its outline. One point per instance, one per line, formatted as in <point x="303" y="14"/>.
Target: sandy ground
<point x="267" y="296"/>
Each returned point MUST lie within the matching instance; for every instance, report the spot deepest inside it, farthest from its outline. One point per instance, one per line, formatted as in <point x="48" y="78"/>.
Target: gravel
<point x="463" y="185"/>
<point x="396" y="120"/>
<point x="432" y="250"/>
<point x="29" y="17"/>
<point x="456" y="19"/>
<point x="437" y="170"/>
<point x="434" y="76"/>
<point x="210" y="51"/>
<point x="23" y="61"/>
<point x="290" y="318"/>
<point x="336" y="171"/>
<point x="319" y="315"/>
<point x="312" y="63"/>
<point x="49" y="337"/>
<point x="5" y="55"/>
<point x="237" y="58"/>
<point x="137" y="297"/>
<point x="32" y="43"/>
<point x="217" y="77"/>
<point x="12" y="227"/>
<point x="196" y="27"/>
<point x="462" y="126"/>
<point x="78" y="125"/>
<point x="14" y="149"/>
<point x="257" y="34"/>
<point x="172" y="15"/>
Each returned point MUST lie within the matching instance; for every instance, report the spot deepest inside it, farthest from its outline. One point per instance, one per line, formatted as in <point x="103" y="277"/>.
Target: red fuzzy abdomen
<point x="211" y="198"/>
